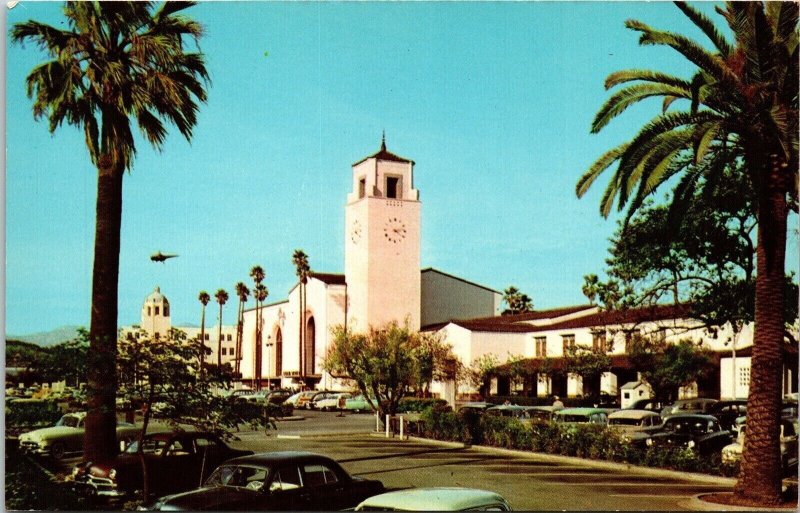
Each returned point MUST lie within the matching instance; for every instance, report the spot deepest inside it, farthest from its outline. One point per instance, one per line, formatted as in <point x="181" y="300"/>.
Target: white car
<point x="436" y="499"/>
<point x="733" y="452"/>
<point x="332" y="402"/>
<point x="634" y="423"/>
<point x="66" y="437"/>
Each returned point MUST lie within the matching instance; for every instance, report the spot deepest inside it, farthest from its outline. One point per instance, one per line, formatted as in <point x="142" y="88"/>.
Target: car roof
<point x="278" y="458"/>
<point x="433" y="499"/>
<point x="510" y="407"/>
<point x="632" y="414"/>
<point x="691" y="416"/>
<point x="166" y="435"/>
<point x="580" y="411"/>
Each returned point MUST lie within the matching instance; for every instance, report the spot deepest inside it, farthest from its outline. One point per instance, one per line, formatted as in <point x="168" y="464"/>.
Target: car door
<point x="285" y="490"/>
<point x="323" y="489"/>
<point x="180" y="467"/>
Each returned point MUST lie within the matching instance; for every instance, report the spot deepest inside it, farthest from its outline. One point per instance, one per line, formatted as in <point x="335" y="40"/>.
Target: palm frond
<point x="597" y="169"/>
<point x="707" y="132"/>
<point x="707" y="26"/>
<point x="644" y="75"/>
<point x="621" y="100"/>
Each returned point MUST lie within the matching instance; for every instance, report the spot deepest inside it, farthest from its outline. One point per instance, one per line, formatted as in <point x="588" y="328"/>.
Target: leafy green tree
<point x="480" y="372"/>
<point x="740" y="105"/>
<point x="383" y="362"/>
<point x="114" y="62"/>
<point x="667" y="366"/>
<point x="66" y="361"/>
<point x="516" y="302"/>
<point x="222" y="298"/>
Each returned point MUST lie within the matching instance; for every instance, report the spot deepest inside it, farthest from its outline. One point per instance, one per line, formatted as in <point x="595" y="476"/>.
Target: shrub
<point x="441" y="423"/>
<point x="418" y="404"/>
<point x="21" y="414"/>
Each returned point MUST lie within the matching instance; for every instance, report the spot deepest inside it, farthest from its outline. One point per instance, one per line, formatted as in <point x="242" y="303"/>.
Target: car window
<point x="150" y="446"/>
<point x="68" y="421"/>
<point x="318" y="475"/>
<point x="248" y="477"/>
<point x="286" y="478"/>
<point x="205" y="443"/>
<point x="176" y="448"/>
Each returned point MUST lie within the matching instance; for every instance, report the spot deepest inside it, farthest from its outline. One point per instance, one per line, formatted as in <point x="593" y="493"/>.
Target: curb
<point x="609" y="465"/>
<point x="697" y="503"/>
<point x="293" y="418"/>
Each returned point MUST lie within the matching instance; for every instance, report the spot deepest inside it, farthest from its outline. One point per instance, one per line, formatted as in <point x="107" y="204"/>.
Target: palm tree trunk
<point x="239" y="333"/>
<point x="100" y="441"/>
<point x="219" y="339"/>
<point x="202" y="348"/>
<point x="760" y="477"/>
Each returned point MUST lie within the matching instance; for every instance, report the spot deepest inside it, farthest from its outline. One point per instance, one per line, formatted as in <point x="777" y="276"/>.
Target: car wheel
<point x="57" y="451"/>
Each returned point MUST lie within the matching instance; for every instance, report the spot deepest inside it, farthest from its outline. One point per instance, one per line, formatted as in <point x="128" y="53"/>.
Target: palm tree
<point x="591" y="284"/>
<point x="257" y="273"/>
<point x="114" y="63"/>
<point x="204" y="299"/>
<point x="242" y="292"/>
<point x="742" y="107"/>
<point x="302" y="269"/>
<point x="260" y="293"/>
<point x="222" y="298"/>
<point x="516" y="301"/>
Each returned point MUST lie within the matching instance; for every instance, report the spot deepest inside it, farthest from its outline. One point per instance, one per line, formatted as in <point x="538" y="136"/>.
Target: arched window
<point x="310" y="346"/>
<point x="166" y="310"/>
<point x="278" y="352"/>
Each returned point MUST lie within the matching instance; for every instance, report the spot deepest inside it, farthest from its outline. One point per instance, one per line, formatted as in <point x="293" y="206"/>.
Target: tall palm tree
<point x="222" y="298"/>
<point x="204" y="299"/>
<point x="242" y="292"/>
<point x="740" y="106"/>
<point x="113" y="63"/>
<point x="257" y="273"/>
<point x="260" y="293"/>
<point x="590" y="287"/>
<point x="302" y="269"/>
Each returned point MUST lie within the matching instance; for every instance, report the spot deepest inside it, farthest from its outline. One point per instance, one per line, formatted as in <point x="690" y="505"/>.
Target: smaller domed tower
<point x="155" y="314"/>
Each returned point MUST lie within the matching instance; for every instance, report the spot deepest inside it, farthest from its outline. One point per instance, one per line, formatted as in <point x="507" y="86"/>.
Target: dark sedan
<point x="728" y="411"/>
<point x="701" y="433"/>
<point x="175" y="461"/>
<point x="288" y="481"/>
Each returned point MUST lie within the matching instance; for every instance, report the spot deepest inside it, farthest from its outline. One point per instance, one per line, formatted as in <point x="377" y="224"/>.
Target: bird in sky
<point x="160" y="257"/>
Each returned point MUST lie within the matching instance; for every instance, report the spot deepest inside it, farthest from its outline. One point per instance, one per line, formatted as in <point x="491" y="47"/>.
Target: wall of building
<point x="445" y="297"/>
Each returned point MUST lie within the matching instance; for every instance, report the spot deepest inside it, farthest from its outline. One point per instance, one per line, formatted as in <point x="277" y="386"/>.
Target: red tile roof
<point x="615" y="317"/>
<point x="534" y="316"/>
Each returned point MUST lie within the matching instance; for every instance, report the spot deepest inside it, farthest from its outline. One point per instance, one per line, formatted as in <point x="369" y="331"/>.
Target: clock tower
<point x="382" y="242"/>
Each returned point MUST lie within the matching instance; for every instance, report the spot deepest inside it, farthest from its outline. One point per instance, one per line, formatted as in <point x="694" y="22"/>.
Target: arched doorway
<point x="310" y="347"/>
<point x="278" y="353"/>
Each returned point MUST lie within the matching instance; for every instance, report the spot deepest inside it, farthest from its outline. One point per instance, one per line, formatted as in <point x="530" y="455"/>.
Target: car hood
<point x="207" y="498"/>
<point x="44" y="433"/>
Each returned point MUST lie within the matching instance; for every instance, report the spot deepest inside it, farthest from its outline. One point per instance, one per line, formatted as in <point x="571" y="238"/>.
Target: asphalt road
<point x="527" y="481"/>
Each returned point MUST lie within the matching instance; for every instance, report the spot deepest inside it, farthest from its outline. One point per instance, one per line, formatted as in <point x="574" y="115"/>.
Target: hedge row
<point x="591" y="441"/>
<point x="26" y="414"/>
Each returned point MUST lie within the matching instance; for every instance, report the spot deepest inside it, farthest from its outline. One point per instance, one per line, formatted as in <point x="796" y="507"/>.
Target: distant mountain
<point x="48" y="338"/>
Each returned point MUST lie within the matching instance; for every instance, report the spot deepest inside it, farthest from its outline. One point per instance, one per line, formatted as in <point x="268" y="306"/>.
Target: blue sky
<point x="492" y="101"/>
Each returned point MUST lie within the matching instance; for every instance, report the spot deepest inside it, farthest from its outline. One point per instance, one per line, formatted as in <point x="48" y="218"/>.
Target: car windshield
<point x="573" y="418"/>
<point x="238" y="476"/>
<point x="150" y="446"/>
<point x="624" y="422"/>
<point x="68" y="421"/>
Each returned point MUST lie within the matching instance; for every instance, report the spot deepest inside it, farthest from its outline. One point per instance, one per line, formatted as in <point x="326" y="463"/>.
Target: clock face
<point x="394" y="230"/>
<point x="355" y="232"/>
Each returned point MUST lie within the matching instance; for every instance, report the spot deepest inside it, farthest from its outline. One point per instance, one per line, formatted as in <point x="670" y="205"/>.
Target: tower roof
<point x="156" y="297"/>
<point x="384" y="154"/>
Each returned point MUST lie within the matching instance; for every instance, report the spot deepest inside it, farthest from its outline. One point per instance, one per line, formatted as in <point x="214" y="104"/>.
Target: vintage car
<point x="284" y="481"/>
<point x="546" y="413"/>
<point x="634" y="423"/>
<point x="582" y="416"/>
<point x="436" y="499"/>
<point x="697" y="405"/>
<point x="358" y="404"/>
<point x="733" y="452"/>
<point x="475" y="406"/>
<point x="332" y="401"/>
<point x="701" y="433"/>
<point x="175" y="461"/>
<point x="66" y="437"/>
<point x="306" y="398"/>
<point x="647" y="404"/>
<point x="509" y="410"/>
<point x="727" y="412"/>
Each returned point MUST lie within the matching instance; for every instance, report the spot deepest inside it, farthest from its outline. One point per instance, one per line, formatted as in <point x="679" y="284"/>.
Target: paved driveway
<point x="528" y="482"/>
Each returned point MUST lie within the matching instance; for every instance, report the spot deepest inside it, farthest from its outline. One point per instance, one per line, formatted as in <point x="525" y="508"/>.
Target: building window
<point x="206" y="336"/>
<point x="569" y="342"/>
<point x="156" y="310"/>
<point x="744" y="376"/>
<point x="229" y="337"/>
<point x="362" y="187"/>
<point x="599" y="341"/>
<point x="166" y="310"/>
<point x="541" y="346"/>
<point x="393" y="187"/>
<point x="148" y="311"/>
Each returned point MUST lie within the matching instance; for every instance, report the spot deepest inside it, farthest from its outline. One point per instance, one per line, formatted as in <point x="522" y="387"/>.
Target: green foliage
<point x="480" y="371"/>
<point x="384" y="362"/>
<point x="516" y="302"/>
<point x="28" y="487"/>
<point x="418" y="404"/>
<point x="667" y="366"/>
<point x="588" y="363"/>
<point x="24" y="413"/>
<point x="442" y="423"/>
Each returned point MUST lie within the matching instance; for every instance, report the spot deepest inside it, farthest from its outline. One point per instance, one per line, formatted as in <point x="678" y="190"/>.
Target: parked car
<point x="278" y="396"/>
<point x="633" y="424"/>
<point x="313" y="403"/>
<point x="476" y="406"/>
<point x="701" y="433"/>
<point x="647" y="404"/>
<point x="304" y="401"/>
<point x="582" y="416"/>
<point x="66" y="437"/>
<point x="733" y="452"/>
<point x="509" y="410"/>
<point x="175" y="461"/>
<point x="436" y="499"/>
<point x="697" y="405"/>
<point x="727" y="412"/>
<point x="292" y="399"/>
<point x="546" y="413"/>
<point x="332" y="401"/>
<point x="284" y="481"/>
<point x="358" y="404"/>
